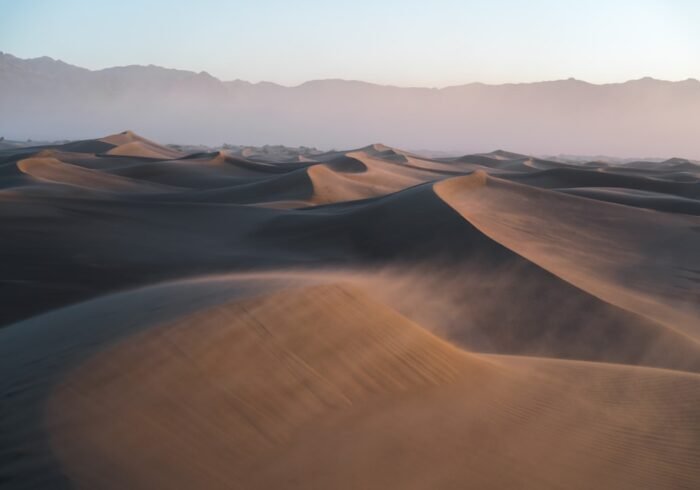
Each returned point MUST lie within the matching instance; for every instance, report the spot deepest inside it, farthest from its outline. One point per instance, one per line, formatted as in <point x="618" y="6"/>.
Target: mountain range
<point x="43" y="98"/>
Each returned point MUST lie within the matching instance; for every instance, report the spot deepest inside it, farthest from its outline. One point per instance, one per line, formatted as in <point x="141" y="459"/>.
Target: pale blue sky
<point x="407" y="43"/>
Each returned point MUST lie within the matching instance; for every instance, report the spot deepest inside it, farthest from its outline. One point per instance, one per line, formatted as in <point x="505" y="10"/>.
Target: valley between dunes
<point x="266" y="318"/>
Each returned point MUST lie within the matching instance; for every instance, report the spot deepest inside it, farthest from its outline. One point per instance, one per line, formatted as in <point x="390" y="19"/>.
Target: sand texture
<point x="267" y="318"/>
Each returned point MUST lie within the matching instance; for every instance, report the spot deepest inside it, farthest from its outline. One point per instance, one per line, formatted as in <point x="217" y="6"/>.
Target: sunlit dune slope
<point x="316" y="386"/>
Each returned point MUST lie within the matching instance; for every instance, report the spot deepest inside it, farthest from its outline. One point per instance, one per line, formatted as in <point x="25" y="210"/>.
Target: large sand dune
<point x="270" y="318"/>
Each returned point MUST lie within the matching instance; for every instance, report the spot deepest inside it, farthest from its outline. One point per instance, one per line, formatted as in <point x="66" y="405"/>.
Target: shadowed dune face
<point x="274" y="318"/>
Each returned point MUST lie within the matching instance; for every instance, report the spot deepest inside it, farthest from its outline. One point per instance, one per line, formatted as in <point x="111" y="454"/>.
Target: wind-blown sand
<point x="363" y="319"/>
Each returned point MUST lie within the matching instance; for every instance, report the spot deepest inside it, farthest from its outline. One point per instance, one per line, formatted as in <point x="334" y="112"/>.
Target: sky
<point x="432" y="43"/>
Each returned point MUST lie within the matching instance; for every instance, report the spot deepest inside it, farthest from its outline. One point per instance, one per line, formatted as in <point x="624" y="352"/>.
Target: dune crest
<point x="130" y="144"/>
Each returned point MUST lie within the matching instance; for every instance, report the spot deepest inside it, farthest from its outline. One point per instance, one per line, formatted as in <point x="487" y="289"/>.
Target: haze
<point x="46" y="99"/>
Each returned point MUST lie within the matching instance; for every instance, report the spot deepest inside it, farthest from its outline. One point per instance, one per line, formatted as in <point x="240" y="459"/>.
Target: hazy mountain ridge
<point x="44" y="98"/>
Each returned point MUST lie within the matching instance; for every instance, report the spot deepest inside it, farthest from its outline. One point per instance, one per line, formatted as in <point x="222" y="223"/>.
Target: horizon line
<point x="420" y="152"/>
<point x="335" y="79"/>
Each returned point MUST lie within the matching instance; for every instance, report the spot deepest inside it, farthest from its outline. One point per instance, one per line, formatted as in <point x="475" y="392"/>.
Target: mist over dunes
<point x="47" y="99"/>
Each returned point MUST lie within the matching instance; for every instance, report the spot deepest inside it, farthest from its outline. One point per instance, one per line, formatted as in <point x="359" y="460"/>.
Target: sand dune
<point x="644" y="199"/>
<point x="133" y="145"/>
<point x="56" y="171"/>
<point x="284" y="318"/>
<point x="644" y="262"/>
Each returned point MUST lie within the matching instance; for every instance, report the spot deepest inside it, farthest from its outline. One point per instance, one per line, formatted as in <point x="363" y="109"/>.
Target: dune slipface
<point x="265" y="318"/>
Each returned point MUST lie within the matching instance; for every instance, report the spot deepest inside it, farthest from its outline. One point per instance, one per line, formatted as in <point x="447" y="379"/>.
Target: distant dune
<point x="265" y="318"/>
<point x="47" y="99"/>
